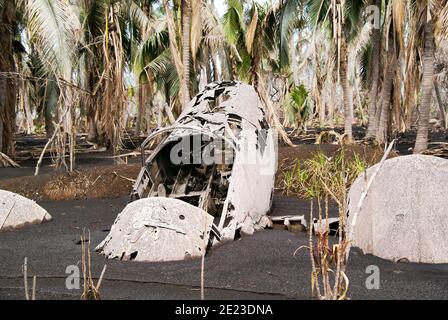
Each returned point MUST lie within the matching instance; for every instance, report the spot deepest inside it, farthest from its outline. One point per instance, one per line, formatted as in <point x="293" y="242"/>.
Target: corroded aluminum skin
<point x="17" y="211"/>
<point x="250" y="190"/>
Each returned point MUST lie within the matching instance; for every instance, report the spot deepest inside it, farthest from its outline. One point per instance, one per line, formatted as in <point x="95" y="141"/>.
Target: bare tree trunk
<point x="26" y="108"/>
<point x="331" y="105"/>
<point x="381" y="134"/>
<point x="348" y="103"/>
<point x="216" y="76"/>
<point x="186" y="25"/>
<point x="87" y="80"/>
<point x="373" y="125"/>
<point x="421" y="143"/>
<point x="208" y="67"/>
<point x="7" y="85"/>
<point x="294" y="66"/>
<point x="141" y="109"/>
<point x="440" y="103"/>
<point x="322" y="107"/>
<point x="148" y="97"/>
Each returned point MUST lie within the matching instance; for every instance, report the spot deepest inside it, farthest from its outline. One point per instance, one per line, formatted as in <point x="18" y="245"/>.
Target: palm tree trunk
<point x="215" y="67"/>
<point x="256" y="61"/>
<point x="373" y="125"/>
<point x="87" y="80"/>
<point x="186" y="25"/>
<point x="421" y="143"/>
<point x="381" y="134"/>
<point x="141" y="109"/>
<point x="7" y="85"/>
<point x="294" y="66"/>
<point x="331" y="104"/>
<point x="208" y="68"/>
<point x="348" y="103"/>
<point x="440" y="103"/>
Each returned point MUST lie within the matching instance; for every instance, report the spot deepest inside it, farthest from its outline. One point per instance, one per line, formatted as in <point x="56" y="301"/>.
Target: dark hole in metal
<point x="133" y="255"/>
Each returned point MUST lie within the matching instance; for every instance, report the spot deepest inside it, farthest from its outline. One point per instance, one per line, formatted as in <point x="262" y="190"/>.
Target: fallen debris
<point x="17" y="211"/>
<point x="6" y="161"/>
<point x="438" y="149"/>
<point x="403" y="215"/>
<point x="291" y="223"/>
<point x="330" y="225"/>
<point x="218" y="161"/>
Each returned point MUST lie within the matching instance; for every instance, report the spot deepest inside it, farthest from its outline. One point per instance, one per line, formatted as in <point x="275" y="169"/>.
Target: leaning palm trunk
<point x="381" y="134"/>
<point x="421" y="143"/>
<point x="186" y="25"/>
<point x="271" y="112"/>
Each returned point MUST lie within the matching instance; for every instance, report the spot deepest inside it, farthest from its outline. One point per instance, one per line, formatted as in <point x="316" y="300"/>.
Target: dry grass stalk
<point x="25" y="281"/>
<point x="322" y="179"/>
<point x="91" y="291"/>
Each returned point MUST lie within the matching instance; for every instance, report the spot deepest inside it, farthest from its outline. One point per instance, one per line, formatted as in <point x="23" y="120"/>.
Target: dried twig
<point x="6" y="161"/>
<point x="49" y="142"/>
<point x="25" y="278"/>
<point x="90" y="290"/>
<point x="25" y="281"/>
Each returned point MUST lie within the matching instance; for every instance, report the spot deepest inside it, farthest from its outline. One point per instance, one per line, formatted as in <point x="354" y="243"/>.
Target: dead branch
<point x="6" y="161"/>
<point x="49" y="142"/>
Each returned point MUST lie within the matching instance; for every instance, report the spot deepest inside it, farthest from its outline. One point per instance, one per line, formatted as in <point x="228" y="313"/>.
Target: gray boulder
<point x="405" y="214"/>
<point x="17" y="211"/>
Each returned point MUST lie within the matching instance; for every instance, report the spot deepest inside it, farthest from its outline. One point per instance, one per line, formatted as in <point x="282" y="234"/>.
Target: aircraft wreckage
<point x="210" y="179"/>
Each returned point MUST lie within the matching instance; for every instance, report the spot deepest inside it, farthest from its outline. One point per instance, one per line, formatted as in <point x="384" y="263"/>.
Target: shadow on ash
<point x="209" y="180"/>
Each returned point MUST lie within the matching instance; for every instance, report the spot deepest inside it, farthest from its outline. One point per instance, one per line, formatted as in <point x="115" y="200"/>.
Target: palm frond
<point x="252" y="29"/>
<point x="51" y="26"/>
<point x="196" y="27"/>
<point x="233" y="21"/>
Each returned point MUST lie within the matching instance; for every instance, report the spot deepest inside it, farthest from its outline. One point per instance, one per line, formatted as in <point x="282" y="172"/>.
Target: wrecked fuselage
<point x="210" y="179"/>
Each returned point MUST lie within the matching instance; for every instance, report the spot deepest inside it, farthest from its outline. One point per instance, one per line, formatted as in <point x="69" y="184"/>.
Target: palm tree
<point x="383" y="112"/>
<point x="375" y="67"/>
<point x="341" y="19"/>
<point x="252" y="48"/>
<point x="186" y="31"/>
<point x="429" y="19"/>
